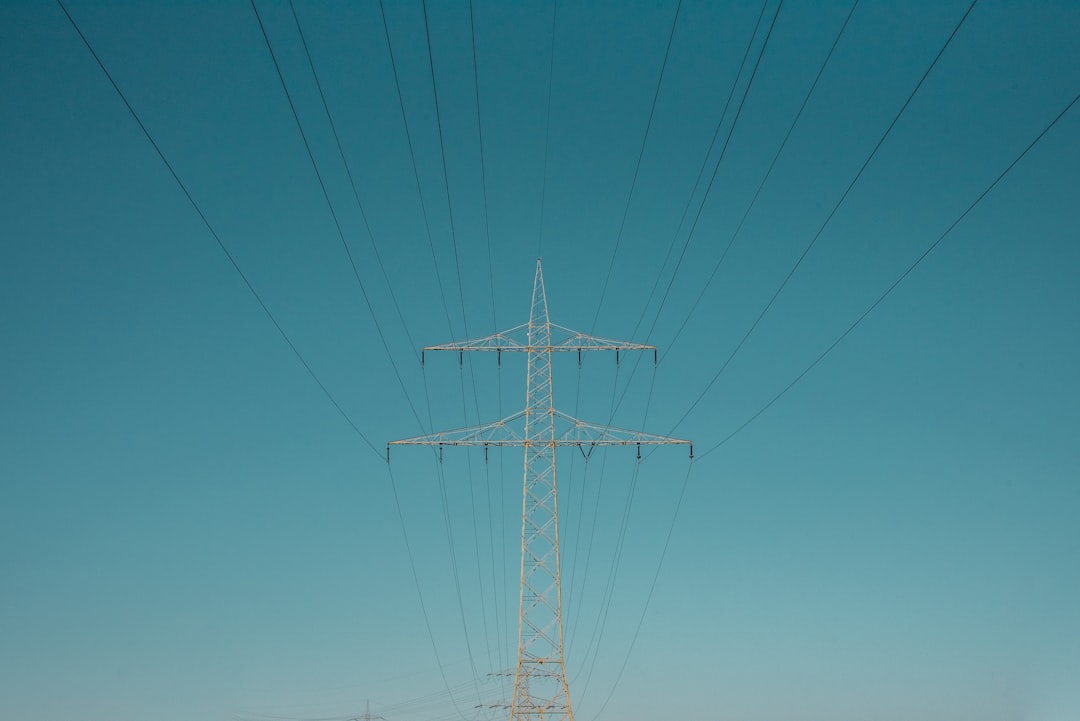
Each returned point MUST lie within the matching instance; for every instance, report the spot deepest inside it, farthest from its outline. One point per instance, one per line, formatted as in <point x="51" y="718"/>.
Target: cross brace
<point x="541" y="692"/>
<point x="569" y="431"/>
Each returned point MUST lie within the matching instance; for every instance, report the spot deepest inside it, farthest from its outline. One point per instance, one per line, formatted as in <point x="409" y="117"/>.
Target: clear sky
<point x="189" y="528"/>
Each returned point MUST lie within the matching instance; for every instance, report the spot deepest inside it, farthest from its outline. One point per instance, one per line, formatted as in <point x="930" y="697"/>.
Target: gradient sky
<point x="190" y="530"/>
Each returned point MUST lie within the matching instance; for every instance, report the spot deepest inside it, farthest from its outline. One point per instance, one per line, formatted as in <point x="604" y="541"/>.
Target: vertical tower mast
<point x="540" y="687"/>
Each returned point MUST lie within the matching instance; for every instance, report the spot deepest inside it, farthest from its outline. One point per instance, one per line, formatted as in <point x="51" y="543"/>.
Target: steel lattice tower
<point x="540" y="687"/>
<point x="367" y="714"/>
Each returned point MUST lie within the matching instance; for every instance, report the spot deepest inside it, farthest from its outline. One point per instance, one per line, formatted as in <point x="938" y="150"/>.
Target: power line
<point x="742" y="220"/>
<point x="613" y="571"/>
<point x="333" y="215"/>
<point x="828" y="218"/>
<point x="705" y="163"/>
<point x="416" y="171"/>
<point x="676" y="269"/>
<point x="832" y="346"/>
<point x="637" y="165"/>
<point x="494" y="323"/>
<point x="420" y="595"/>
<point x="352" y="180"/>
<point x="652" y="590"/>
<point x="446" y="175"/>
<point x="262" y="304"/>
<point x="464" y="317"/>
<point x="454" y="568"/>
<point x="441" y="481"/>
<point x="835" y="208"/>
<point x="873" y="306"/>
<point x="757" y="192"/>
<point x="217" y="238"/>
<point x="266" y="310"/>
<point x="611" y="265"/>
<point x="697" y="183"/>
<point x="605" y="604"/>
<point x="716" y="167"/>
<point x="898" y="281"/>
<point x="446" y="311"/>
<point x="571" y="596"/>
<point x="412" y="344"/>
<point x="483" y="164"/>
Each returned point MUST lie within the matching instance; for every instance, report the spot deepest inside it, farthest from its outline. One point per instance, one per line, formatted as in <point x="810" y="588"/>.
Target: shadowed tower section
<point x="540" y="686"/>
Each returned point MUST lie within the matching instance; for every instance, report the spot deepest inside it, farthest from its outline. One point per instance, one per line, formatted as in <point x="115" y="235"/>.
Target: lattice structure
<point x="540" y="687"/>
<point x="367" y="714"/>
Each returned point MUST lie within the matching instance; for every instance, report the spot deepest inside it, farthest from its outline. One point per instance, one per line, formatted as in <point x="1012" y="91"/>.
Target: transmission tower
<point x="367" y="714"/>
<point x="540" y="687"/>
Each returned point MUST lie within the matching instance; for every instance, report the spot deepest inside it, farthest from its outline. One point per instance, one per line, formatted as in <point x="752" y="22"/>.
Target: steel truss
<point x="540" y="686"/>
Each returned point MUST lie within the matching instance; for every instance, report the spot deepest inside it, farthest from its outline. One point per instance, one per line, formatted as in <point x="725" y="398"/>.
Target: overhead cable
<point x="602" y="620"/>
<point x="828" y="218"/>
<point x="495" y="328"/>
<point x="637" y="166"/>
<point x="334" y="216"/>
<point x="465" y="326"/>
<point x="900" y="279"/>
<point x="217" y="238"/>
<point x="352" y="182"/>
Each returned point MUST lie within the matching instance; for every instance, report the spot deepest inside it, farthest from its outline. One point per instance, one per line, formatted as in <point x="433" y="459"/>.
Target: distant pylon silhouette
<point x="540" y="686"/>
<point x="367" y="714"/>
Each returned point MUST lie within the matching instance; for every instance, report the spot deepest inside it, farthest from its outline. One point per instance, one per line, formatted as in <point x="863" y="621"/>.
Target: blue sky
<point x="190" y="529"/>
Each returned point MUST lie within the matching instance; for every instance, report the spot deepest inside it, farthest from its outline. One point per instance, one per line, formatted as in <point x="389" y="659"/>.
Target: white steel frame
<point x="540" y="686"/>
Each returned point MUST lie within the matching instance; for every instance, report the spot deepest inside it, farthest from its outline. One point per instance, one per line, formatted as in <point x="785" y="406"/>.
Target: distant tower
<point x="367" y="714"/>
<point x="540" y="687"/>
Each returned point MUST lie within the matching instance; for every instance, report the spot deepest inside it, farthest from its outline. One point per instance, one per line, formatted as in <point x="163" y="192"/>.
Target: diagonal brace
<point x="561" y="340"/>
<point x="568" y="431"/>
